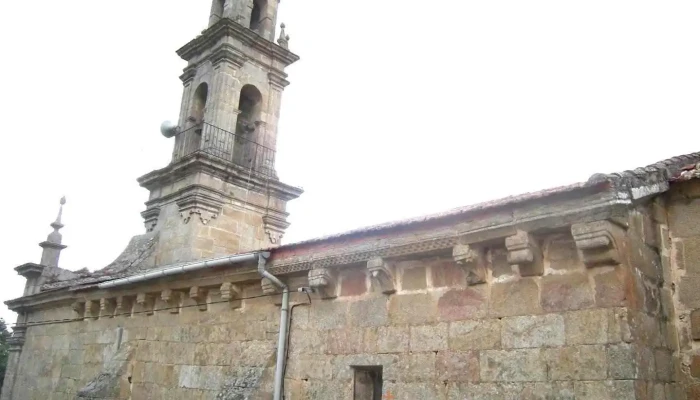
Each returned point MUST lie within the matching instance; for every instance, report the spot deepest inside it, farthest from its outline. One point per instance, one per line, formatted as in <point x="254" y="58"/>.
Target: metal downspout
<point x="281" y="340"/>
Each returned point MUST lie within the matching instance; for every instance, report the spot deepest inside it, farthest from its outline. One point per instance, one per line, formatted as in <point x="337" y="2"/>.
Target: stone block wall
<point x="584" y="313"/>
<point x="573" y="332"/>
<point x="682" y="263"/>
<point x="216" y="353"/>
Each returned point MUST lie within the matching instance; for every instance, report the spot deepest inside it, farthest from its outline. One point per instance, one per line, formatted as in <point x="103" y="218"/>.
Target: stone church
<point x="588" y="291"/>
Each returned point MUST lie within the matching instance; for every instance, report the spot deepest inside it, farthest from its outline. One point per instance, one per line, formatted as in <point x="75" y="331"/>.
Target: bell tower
<point x="220" y="194"/>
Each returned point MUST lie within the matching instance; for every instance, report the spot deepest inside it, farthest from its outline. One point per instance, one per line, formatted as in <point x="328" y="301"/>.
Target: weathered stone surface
<point x="523" y="365"/>
<point x="353" y="282"/>
<point x="695" y="366"/>
<point x="371" y="312"/>
<point x="461" y="304"/>
<point x="108" y="383"/>
<point x="577" y="363"/>
<point x="418" y="308"/>
<point x="346" y="341"/>
<point x="412" y="367"/>
<point x="566" y="292"/>
<point x="621" y="361"/>
<point x="521" y="297"/>
<point x="664" y="365"/>
<point x="609" y="289"/>
<point x="475" y="335"/>
<point x="547" y="391"/>
<point x="499" y="263"/>
<point x="618" y="325"/>
<point x="683" y="217"/>
<point x="690" y="255"/>
<point x="461" y="366"/>
<point x="393" y="339"/>
<point x="586" y="326"/>
<point x="445" y="273"/>
<point x="413" y="278"/>
<point x="533" y="331"/>
<point x="604" y="390"/>
<point x="429" y="337"/>
<point x="484" y="391"/>
<point x="562" y="254"/>
<point x="329" y="314"/>
<point x="695" y="324"/>
<point x="414" y="390"/>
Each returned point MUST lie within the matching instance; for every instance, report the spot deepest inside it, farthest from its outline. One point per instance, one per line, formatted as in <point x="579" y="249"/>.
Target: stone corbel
<point x="274" y="228"/>
<point x="231" y="293"/>
<point x="324" y="282"/>
<point x="79" y="308"/>
<point x="92" y="309"/>
<point x="172" y="299"/>
<point x="206" y="207"/>
<point x="107" y="306"/>
<point x="268" y="287"/>
<point x="199" y="295"/>
<point x="596" y="242"/>
<point x="150" y="218"/>
<point x="124" y="305"/>
<point x="524" y="252"/>
<point x="381" y="275"/>
<point x="146" y="302"/>
<point x="472" y="261"/>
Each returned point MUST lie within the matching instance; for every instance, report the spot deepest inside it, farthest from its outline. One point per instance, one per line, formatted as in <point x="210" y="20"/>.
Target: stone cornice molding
<point x="431" y="239"/>
<point x="278" y="79"/>
<point x="227" y="53"/>
<point x="30" y="270"/>
<point x="188" y="74"/>
<point x="205" y="163"/>
<point x="227" y="27"/>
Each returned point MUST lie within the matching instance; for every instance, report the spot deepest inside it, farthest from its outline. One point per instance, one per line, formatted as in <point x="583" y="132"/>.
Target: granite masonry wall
<point x="576" y="328"/>
<point x="682" y="267"/>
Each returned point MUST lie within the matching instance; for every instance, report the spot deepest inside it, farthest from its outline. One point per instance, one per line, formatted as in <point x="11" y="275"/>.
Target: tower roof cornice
<point x="228" y="27"/>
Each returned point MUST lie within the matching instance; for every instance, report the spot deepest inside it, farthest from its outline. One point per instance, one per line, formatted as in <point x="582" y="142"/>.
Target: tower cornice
<point x="203" y="162"/>
<point x="227" y="27"/>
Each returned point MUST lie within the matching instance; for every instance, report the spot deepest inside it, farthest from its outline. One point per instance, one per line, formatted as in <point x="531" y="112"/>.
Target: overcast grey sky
<point x="396" y="109"/>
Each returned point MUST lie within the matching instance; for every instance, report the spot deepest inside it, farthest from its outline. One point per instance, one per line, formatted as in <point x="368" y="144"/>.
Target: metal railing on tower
<point x="237" y="149"/>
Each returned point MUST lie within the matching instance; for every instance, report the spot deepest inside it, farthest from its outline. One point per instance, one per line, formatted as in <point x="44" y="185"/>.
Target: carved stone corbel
<point x="146" y="302"/>
<point x="107" y="306"/>
<point x="231" y="293"/>
<point x="172" y="299"/>
<point x="199" y="295"/>
<point x="267" y="286"/>
<point x="124" y="305"/>
<point x="205" y="205"/>
<point x="274" y="228"/>
<point x="381" y="275"/>
<point x="472" y="261"/>
<point x="150" y="218"/>
<point x="324" y="282"/>
<point x="524" y="252"/>
<point x="596" y="242"/>
<point x="79" y="308"/>
<point x="92" y="309"/>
